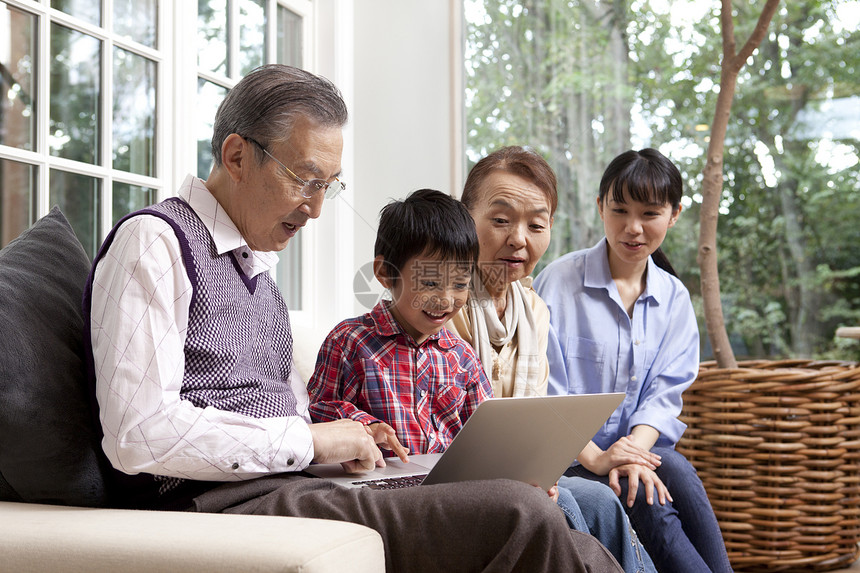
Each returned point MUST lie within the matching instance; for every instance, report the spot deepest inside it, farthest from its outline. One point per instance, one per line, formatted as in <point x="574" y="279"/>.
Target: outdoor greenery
<point x="581" y="81"/>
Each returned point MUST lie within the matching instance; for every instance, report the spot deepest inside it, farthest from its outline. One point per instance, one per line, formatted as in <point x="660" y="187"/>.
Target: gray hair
<point x="265" y="104"/>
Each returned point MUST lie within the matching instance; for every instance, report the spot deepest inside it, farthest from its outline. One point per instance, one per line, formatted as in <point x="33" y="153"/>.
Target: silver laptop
<point x="532" y="440"/>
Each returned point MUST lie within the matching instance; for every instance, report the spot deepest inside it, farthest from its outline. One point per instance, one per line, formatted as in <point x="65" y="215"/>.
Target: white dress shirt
<point x="140" y="304"/>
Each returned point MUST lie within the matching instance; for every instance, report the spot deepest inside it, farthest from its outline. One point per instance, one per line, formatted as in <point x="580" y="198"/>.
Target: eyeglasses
<point x="309" y="188"/>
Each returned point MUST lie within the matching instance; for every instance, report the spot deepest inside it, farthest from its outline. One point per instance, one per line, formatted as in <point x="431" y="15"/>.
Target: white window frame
<point x="41" y="157"/>
<point x="327" y="270"/>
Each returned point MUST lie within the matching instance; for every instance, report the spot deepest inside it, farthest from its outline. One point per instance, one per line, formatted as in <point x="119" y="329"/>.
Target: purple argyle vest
<point x="238" y="347"/>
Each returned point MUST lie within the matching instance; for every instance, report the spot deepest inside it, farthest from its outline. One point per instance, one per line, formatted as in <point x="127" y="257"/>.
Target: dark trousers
<point x="497" y="525"/>
<point x="682" y="535"/>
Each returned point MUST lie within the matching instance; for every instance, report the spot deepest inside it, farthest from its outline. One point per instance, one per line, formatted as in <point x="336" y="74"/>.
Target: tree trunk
<point x="712" y="185"/>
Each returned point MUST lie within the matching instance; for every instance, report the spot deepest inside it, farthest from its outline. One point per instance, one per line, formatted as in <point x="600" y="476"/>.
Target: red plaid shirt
<point x="369" y="369"/>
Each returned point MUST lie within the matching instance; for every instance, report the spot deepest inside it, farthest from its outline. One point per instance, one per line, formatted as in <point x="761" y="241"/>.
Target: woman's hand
<point x="624" y="451"/>
<point x="385" y="437"/>
<point x="636" y="473"/>
<point x="553" y="492"/>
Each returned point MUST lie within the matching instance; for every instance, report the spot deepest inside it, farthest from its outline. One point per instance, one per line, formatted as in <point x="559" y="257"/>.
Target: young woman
<point x="623" y="322"/>
<point x="512" y="196"/>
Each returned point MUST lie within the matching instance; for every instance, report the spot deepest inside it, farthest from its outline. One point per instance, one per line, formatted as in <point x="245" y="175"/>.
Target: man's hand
<point x="385" y="437"/>
<point x="636" y="473"/>
<point x="345" y="442"/>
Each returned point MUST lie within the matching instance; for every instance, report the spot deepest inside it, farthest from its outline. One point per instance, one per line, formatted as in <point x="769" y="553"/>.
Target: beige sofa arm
<point x="35" y="537"/>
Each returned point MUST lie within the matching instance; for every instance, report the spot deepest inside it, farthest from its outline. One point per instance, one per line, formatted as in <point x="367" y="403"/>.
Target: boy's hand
<point x="385" y="437"/>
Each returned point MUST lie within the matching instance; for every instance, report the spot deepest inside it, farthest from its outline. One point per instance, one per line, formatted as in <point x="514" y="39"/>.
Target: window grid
<point x="290" y="272"/>
<point x="102" y="170"/>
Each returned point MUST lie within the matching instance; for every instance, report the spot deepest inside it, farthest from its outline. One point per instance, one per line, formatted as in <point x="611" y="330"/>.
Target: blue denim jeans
<point x="682" y="535"/>
<point x="593" y="508"/>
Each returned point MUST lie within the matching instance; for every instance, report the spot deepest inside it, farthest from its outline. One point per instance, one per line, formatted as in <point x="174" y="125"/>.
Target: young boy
<point x="398" y="364"/>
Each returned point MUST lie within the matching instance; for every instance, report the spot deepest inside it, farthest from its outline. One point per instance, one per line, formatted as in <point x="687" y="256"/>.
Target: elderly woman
<point x="512" y="196"/>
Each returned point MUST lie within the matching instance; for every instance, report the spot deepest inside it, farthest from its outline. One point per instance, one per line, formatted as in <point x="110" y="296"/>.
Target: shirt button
<point x="633" y="378"/>
<point x="235" y="466"/>
<point x="637" y="342"/>
<point x="244" y="255"/>
<point x="291" y="461"/>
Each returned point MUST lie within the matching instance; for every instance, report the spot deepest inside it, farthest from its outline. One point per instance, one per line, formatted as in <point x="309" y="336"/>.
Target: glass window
<point x="212" y="27"/>
<point x="75" y="95"/>
<point x="582" y="86"/>
<point x="78" y="197"/>
<point x="128" y="198"/>
<point x="136" y="19"/>
<point x="18" y="188"/>
<point x="289" y="51"/>
<point x="134" y="113"/>
<point x="252" y="39"/>
<point x="18" y="66"/>
<point x="88" y="10"/>
<point x="209" y="96"/>
<point x="289" y="37"/>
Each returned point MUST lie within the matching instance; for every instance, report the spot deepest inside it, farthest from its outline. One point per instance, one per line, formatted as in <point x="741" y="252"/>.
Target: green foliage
<point x="581" y="81"/>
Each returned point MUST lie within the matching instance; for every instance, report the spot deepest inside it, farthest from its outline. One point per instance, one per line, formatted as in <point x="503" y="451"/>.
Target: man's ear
<point x="236" y="155"/>
<point x="381" y="272"/>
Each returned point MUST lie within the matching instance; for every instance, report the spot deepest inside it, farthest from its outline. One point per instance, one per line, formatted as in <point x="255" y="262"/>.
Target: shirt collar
<point x="597" y="273"/>
<point x="386" y="325"/>
<point x="224" y="232"/>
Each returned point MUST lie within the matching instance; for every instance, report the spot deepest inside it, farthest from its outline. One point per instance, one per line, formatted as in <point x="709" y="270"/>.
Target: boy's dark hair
<point x="429" y="223"/>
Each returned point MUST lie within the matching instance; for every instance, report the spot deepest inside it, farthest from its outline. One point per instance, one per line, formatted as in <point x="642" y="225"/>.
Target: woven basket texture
<point x="777" y="446"/>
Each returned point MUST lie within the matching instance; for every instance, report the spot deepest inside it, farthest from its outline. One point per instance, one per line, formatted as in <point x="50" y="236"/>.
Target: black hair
<point x="648" y="177"/>
<point x="428" y="223"/>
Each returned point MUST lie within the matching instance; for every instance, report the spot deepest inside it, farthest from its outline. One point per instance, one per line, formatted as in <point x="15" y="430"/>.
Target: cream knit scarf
<point x="489" y="331"/>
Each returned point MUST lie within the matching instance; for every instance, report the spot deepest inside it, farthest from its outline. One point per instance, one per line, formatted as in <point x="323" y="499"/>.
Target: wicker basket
<point x="777" y="446"/>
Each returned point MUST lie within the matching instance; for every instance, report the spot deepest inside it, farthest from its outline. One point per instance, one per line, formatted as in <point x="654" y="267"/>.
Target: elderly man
<point x="192" y="356"/>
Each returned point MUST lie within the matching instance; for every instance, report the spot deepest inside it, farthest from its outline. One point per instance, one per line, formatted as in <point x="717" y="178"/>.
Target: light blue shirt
<point x="595" y="347"/>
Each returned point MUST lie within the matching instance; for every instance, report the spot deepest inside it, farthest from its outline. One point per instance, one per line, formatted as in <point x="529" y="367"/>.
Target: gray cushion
<point x="49" y="450"/>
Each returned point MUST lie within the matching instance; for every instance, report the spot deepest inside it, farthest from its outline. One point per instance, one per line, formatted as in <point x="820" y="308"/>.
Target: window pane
<point x="252" y="29"/>
<point x="212" y="25"/>
<point x="128" y="198"/>
<point x="136" y="19"/>
<point x="289" y="269"/>
<point x="17" y="78"/>
<point x="78" y="197"/>
<point x="75" y="93"/>
<point x="134" y="113"/>
<point x="289" y="38"/>
<point x="288" y="273"/>
<point x="87" y="10"/>
<point x="209" y="97"/>
<point x="18" y="183"/>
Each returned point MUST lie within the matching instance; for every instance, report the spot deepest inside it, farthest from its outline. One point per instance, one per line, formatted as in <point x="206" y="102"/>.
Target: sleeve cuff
<point x="671" y="429"/>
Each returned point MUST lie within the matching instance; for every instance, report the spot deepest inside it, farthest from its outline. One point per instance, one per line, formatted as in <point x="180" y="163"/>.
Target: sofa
<point x="55" y="512"/>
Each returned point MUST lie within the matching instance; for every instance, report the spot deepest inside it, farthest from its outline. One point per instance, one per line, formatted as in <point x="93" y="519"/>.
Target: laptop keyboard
<point x="392" y="482"/>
